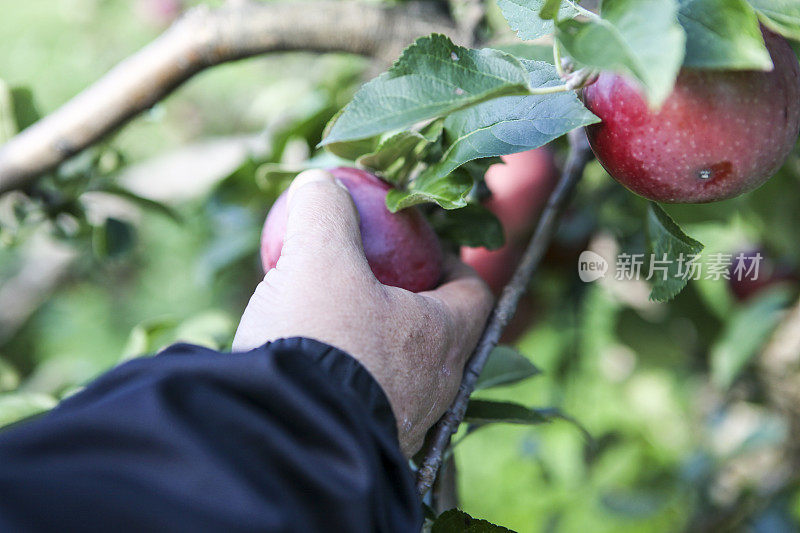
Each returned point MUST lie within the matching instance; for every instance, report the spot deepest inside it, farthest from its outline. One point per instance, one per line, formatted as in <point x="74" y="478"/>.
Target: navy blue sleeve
<point x="293" y="436"/>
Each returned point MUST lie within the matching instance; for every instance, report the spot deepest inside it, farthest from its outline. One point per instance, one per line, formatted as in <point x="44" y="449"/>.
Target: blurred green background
<point x="686" y="431"/>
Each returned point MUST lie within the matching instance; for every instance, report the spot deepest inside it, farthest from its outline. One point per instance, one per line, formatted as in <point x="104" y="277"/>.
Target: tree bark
<point x="202" y="38"/>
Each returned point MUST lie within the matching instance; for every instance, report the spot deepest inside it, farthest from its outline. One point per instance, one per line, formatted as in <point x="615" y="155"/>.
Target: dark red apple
<point x="718" y="135"/>
<point x="401" y="248"/>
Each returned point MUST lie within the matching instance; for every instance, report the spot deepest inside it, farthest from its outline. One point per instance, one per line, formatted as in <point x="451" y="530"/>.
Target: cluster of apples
<point x="719" y="134"/>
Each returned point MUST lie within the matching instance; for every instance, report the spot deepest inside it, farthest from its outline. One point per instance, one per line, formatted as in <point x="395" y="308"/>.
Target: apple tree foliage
<point x="431" y="125"/>
<point x="431" y="120"/>
<point x="441" y="110"/>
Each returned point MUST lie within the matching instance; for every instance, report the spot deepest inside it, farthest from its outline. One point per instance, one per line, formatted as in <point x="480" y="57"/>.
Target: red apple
<point x="495" y="266"/>
<point x="753" y="271"/>
<point x="718" y="135"/>
<point x="520" y="187"/>
<point x="401" y="248"/>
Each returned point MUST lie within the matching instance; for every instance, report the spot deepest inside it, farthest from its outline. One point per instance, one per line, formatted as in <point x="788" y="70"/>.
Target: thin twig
<point x="200" y="39"/>
<point x="580" y="154"/>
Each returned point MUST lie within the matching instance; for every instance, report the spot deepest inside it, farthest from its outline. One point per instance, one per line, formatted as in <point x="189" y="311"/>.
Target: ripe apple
<point x="520" y="186"/>
<point x="401" y="248"/>
<point x="495" y="266"/>
<point x="753" y="271"/>
<point x="719" y="134"/>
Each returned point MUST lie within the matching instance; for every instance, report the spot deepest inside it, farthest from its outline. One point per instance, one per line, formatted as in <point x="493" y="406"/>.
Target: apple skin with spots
<point x="401" y="248"/>
<point x="718" y="135"/>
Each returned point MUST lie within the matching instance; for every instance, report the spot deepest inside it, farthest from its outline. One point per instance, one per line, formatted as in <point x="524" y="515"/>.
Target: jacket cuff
<point x="345" y="371"/>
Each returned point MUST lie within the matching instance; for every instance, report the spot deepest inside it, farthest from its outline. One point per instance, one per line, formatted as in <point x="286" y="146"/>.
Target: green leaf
<point x="487" y="412"/>
<point x="448" y="191"/>
<point x="473" y="225"/>
<point x="213" y="329"/>
<point x="145" y="203"/>
<point x="722" y="34"/>
<point x="396" y="156"/>
<point x="433" y="77"/>
<point x="112" y="238"/>
<point x="26" y="111"/>
<point x="781" y="16"/>
<point x="532" y="51"/>
<point x="550" y="9"/>
<point x="669" y="245"/>
<point x="16" y="406"/>
<point x="8" y="121"/>
<point x="641" y="38"/>
<point x="9" y="377"/>
<point x="745" y="334"/>
<point x="523" y="16"/>
<point x="505" y="366"/>
<point x="457" y="521"/>
<point x="268" y="176"/>
<point x="146" y="336"/>
<point x="350" y="150"/>
<point x="511" y="124"/>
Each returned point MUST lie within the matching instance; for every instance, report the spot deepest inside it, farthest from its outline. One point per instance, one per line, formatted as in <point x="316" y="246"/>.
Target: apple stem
<point x="557" y="59"/>
<point x="438" y="439"/>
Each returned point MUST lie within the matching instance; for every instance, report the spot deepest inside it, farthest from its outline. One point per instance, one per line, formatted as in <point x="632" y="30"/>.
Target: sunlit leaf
<point x="511" y="124"/>
<point x="641" y="38"/>
<point x="8" y="122"/>
<point x="433" y="77"/>
<point x="9" y="376"/>
<point x="781" y="16"/>
<point x="145" y="337"/>
<point x="16" y="406"/>
<point x="722" y="34"/>
<point x="523" y="16"/>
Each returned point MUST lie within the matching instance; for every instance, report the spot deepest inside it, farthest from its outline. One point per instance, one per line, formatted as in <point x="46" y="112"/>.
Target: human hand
<point x="414" y="344"/>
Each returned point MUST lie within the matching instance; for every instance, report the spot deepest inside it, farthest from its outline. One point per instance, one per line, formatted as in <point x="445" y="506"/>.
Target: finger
<point x="322" y="232"/>
<point x="465" y="294"/>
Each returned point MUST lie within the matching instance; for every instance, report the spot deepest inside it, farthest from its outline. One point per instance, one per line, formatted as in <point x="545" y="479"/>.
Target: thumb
<point x="322" y="232"/>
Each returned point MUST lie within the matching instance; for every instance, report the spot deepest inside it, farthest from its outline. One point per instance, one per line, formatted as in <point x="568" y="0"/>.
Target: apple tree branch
<point x="579" y="156"/>
<point x="203" y="38"/>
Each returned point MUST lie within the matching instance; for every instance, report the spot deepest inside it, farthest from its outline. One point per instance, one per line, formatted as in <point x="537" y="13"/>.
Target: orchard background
<point x="640" y="415"/>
